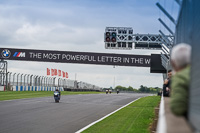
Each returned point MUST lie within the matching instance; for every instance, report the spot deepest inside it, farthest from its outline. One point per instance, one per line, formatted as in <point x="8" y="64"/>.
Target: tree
<point x="147" y="89"/>
<point x="130" y="88"/>
<point x="142" y="88"/>
<point x="121" y="88"/>
<point x="135" y="90"/>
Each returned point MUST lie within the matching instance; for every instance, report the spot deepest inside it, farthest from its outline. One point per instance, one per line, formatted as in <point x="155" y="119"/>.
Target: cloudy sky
<point x="79" y="25"/>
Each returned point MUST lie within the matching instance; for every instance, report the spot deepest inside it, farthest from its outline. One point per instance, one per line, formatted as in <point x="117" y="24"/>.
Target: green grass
<point x="135" y="118"/>
<point x="9" y="95"/>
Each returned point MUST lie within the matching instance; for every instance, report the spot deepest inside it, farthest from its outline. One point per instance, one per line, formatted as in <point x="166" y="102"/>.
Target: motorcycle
<point x="56" y="96"/>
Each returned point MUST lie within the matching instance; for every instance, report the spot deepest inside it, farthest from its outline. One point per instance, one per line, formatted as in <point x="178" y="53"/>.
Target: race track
<point x="43" y="115"/>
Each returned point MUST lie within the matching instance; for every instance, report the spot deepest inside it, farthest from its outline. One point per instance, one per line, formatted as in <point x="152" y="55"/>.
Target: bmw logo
<point x="6" y="53"/>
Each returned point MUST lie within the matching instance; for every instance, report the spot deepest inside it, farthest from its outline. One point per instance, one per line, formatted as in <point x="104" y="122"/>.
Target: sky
<point x="79" y="25"/>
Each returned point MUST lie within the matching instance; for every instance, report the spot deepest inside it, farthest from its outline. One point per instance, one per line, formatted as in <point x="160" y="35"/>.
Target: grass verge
<point x="135" y="118"/>
<point x="10" y="95"/>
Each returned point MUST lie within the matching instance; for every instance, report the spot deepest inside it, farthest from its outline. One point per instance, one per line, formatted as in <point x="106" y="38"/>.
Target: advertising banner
<point x="75" y="57"/>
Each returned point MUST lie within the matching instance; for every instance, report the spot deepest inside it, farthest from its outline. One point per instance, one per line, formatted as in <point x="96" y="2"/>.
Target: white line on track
<point x="24" y="99"/>
<point x="5" y="100"/>
<point x="86" y="127"/>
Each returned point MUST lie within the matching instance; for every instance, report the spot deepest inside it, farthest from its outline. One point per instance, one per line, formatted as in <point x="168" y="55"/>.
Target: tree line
<point x="141" y="89"/>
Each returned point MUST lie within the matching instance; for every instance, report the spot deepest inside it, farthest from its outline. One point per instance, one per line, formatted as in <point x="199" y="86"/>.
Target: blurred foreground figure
<point x="180" y="60"/>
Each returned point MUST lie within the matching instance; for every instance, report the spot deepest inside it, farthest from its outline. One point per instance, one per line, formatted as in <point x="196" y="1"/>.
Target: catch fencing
<point x="188" y="31"/>
<point x="30" y="82"/>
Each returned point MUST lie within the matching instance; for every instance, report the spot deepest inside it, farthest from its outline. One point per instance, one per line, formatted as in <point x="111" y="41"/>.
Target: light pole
<point x="39" y="78"/>
<point x="58" y="82"/>
<point x="14" y="78"/>
<point x="54" y="81"/>
<point x="49" y="81"/>
<point x="31" y="80"/>
<point x="46" y="78"/>
<point x="17" y="79"/>
<point x="21" y="78"/>
<point x="25" y="79"/>
<point x="61" y="84"/>
<point x="6" y="75"/>
<point x="9" y="76"/>
<point x="28" y="75"/>
<point x="64" y="82"/>
<point x="43" y="81"/>
<point x="36" y="80"/>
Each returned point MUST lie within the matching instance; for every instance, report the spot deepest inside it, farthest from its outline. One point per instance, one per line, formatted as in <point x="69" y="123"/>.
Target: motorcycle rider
<point x="117" y="91"/>
<point x="107" y="91"/>
<point x="58" y="93"/>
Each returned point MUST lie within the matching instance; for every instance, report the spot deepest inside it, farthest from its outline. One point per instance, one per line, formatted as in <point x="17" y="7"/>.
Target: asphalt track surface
<point x="43" y="115"/>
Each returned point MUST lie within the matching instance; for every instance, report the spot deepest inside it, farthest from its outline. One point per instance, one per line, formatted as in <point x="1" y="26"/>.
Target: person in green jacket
<point x="180" y="60"/>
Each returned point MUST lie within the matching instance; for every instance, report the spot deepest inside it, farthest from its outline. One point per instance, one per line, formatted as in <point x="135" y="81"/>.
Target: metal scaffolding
<point x="3" y="73"/>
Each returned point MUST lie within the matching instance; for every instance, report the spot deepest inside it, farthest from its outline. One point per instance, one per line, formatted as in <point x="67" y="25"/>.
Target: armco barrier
<point x="36" y="88"/>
